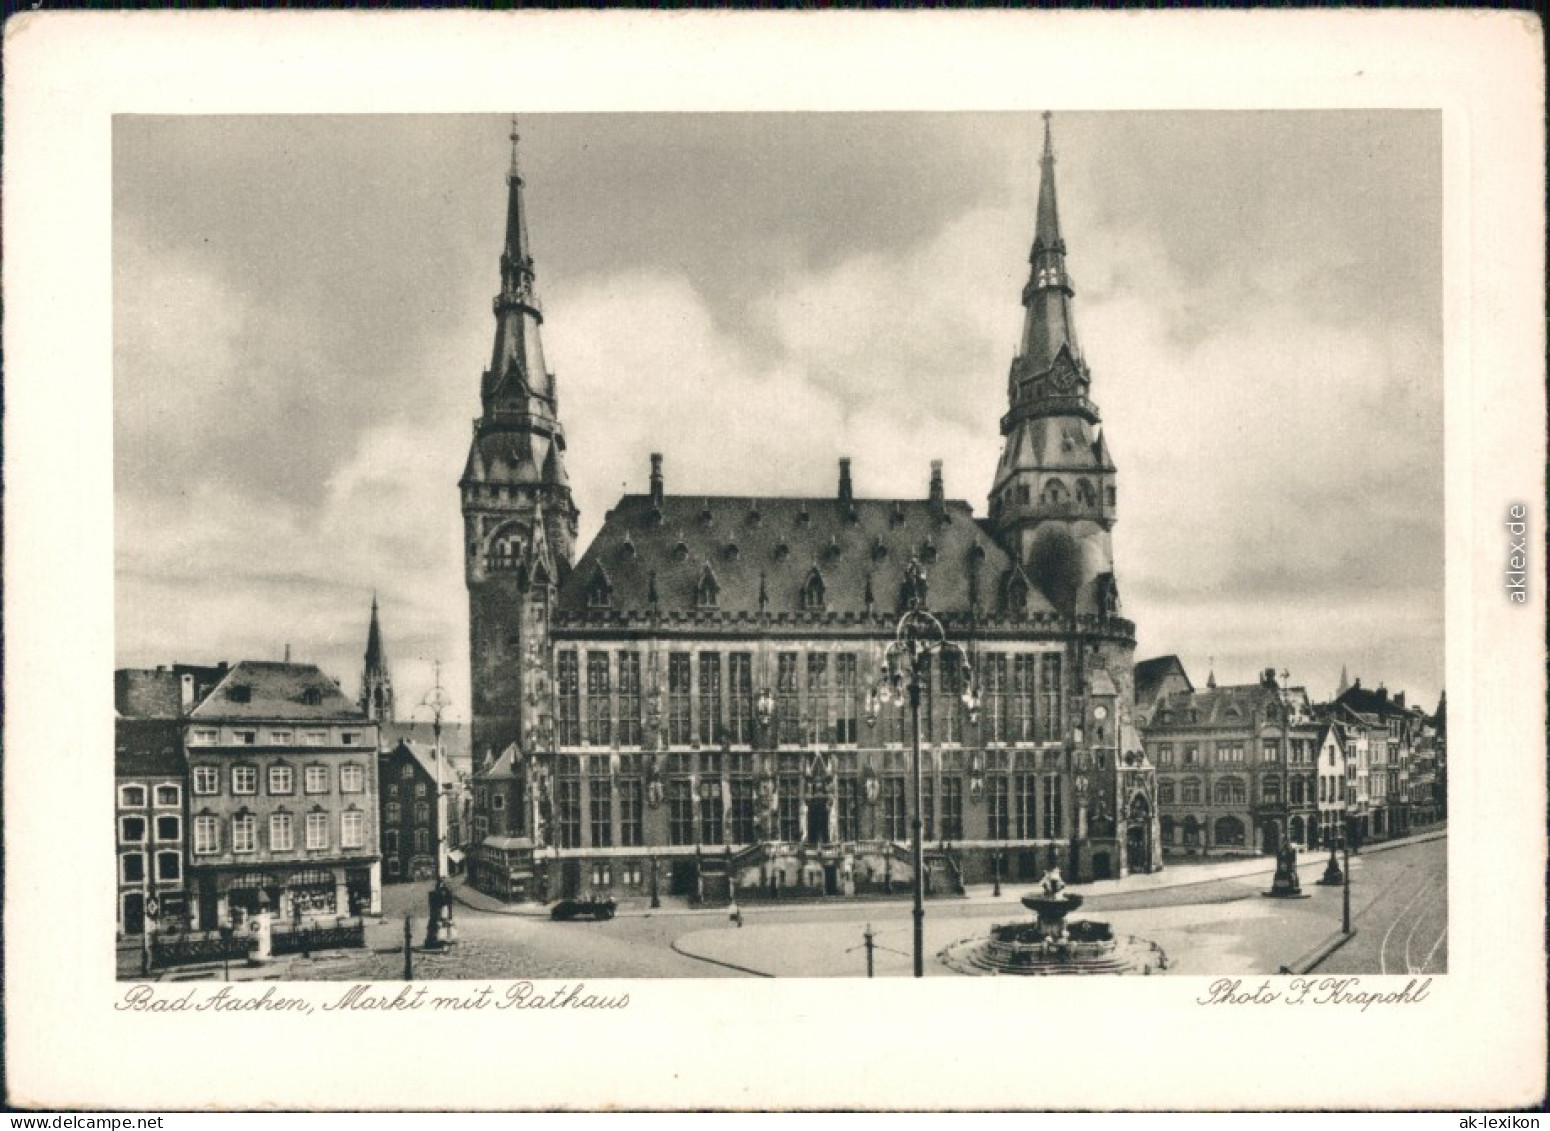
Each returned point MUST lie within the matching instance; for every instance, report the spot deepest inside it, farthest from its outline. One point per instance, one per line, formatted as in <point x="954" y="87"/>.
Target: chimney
<point x="846" y="495"/>
<point x="656" y="480"/>
<point x="938" y="498"/>
<point x="186" y="692"/>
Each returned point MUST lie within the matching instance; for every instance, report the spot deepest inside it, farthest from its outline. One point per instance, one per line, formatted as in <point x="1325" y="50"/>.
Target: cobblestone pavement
<point x="504" y="947"/>
<point x="1219" y="926"/>
<point x="1399" y="907"/>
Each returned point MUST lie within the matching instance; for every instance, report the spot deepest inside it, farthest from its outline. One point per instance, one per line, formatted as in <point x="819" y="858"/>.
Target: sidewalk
<point x="1170" y="877"/>
<point x="1242" y="934"/>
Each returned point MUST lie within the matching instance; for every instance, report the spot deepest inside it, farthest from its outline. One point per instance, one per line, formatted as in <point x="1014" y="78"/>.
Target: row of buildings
<point x="1242" y="768"/>
<point x="260" y="786"/>
<point x="683" y="703"/>
<point x="708" y="697"/>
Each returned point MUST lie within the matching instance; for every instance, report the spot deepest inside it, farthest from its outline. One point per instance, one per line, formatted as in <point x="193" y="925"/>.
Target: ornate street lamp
<point x="917" y="635"/>
<point x="437" y="701"/>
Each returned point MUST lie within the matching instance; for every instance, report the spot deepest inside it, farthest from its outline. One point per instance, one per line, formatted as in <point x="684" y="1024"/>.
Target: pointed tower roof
<point x="1049" y="328"/>
<point x="517" y="368"/>
<point x="376" y="683"/>
<point x="1047" y="229"/>
<point x="374" y="657"/>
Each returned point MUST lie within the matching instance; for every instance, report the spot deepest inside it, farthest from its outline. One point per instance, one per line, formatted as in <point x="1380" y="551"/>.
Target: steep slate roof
<point x="277" y="691"/>
<point x="147" y="693"/>
<point x="423" y="756"/>
<point x="157" y="693"/>
<point x="455" y="741"/>
<point x="146" y="748"/>
<point x="502" y="767"/>
<point x="1237" y="705"/>
<point x="741" y="541"/>
<point x="1366" y="700"/>
<point x="1150" y="674"/>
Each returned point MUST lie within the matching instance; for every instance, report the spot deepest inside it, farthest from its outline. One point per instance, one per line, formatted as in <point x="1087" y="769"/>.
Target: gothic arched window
<point x="1055" y="493"/>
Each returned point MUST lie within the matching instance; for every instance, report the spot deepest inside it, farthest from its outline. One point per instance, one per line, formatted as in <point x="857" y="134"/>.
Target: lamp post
<point x="437" y="700"/>
<point x="917" y="635"/>
<point x="764" y="714"/>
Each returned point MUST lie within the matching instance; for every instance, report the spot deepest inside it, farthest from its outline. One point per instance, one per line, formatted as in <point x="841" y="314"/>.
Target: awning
<point x="455" y="855"/>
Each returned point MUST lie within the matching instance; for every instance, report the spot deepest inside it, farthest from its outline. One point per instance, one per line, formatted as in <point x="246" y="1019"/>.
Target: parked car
<point x="567" y="909"/>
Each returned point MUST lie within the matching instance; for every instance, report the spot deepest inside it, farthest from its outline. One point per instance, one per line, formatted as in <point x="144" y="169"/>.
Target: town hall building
<point x="683" y="705"/>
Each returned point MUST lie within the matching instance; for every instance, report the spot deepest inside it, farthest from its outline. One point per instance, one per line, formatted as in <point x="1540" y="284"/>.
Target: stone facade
<point x="1236" y="769"/>
<point x="684" y="709"/>
<point x="283" y="798"/>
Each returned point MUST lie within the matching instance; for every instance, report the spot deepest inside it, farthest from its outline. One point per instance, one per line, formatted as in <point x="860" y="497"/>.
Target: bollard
<point x="408" y="949"/>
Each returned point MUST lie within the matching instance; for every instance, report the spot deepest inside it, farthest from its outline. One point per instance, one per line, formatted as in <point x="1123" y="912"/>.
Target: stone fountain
<point x="1051" y="945"/>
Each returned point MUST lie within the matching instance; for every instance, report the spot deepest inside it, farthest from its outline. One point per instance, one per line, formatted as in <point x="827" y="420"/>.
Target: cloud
<point x="294" y="390"/>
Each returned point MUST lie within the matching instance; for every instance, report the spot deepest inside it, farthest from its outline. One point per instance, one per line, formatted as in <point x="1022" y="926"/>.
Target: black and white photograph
<point x="794" y="643"/>
<point x="648" y="568"/>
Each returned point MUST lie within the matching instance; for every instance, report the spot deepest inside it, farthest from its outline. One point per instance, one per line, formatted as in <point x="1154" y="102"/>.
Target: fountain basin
<point x="1050" y="945"/>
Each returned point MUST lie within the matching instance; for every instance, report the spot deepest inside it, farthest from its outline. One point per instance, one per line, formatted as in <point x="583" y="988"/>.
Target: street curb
<point x="1419" y="838"/>
<point x="718" y="962"/>
<point x="503" y="909"/>
<point x="1310" y="961"/>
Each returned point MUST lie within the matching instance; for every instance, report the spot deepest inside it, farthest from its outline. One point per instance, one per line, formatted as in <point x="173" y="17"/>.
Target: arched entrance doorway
<point x="1138" y="834"/>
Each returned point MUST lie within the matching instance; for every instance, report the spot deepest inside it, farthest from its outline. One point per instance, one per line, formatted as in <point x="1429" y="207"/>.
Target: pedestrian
<point x="736" y="915"/>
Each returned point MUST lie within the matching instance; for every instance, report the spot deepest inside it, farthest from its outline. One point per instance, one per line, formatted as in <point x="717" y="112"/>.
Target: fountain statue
<point x="1286" y="885"/>
<point x="1050" y="945"/>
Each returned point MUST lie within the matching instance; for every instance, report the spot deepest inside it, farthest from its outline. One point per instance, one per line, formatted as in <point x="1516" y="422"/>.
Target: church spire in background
<point x="376" y="683"/>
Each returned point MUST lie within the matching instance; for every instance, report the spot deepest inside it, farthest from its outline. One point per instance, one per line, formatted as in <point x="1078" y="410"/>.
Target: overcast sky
<point x="302" y="313"/>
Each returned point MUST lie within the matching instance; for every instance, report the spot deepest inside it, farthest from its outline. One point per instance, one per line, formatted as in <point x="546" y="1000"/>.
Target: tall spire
<point x="376" y="684"/>
<point x="1047" y="229"/>
<point x="1053" y="500"/>
<point x="1049" y="324"/>
<point x="519" y="516"/>
<point x="517" y="368"/>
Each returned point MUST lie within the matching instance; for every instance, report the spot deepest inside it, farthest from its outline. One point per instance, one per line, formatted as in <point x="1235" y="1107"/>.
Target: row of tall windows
<point x="243" y="832"/>
<point x="1020" y="700"/>
<point x="710" y="699"/>
<point x="280" y="780"/>
<point x="603" y="791"/>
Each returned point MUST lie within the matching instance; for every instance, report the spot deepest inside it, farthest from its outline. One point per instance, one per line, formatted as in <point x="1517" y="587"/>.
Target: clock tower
<point x="519" y="520"/>
<point x="1052" y="504"/>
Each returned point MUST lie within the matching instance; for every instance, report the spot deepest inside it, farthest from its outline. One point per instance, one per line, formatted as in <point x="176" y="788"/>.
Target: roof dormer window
<point x="813" y="592"/>
<point x="707" y="593"/>
<point x="600" y="591"/>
